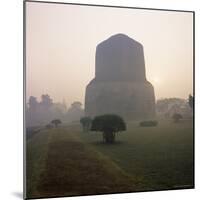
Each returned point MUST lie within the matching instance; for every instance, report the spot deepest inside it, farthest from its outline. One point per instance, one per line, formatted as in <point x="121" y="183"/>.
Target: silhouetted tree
<point x="46" y="101"/>
<point x="168" y="106"/>
<point x="75" y="112"/>
<point x="176" y="117"/>
<point x="43" y="111"/>
<point x="32" y="111"/>
<point x="191" y="101"/>
<point x="86" y="123"/>
<point x="56" y="122"/>
<point x="32" y="103"/>
<point x="76" y="105"/>
<point x="109" y="125"/>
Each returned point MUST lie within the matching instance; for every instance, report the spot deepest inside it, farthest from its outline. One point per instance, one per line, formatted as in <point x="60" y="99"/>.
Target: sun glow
<point x="156" y="81"/>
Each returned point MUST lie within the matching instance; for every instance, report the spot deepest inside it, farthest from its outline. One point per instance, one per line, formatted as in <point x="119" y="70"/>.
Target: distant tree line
<point x="166" y="108"/>
<point x="43" y="111"/>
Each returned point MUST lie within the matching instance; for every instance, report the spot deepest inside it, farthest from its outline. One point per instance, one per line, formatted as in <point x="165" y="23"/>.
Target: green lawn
<point x="37" y="148"/>
<point x="65" y="166"/>
<point x="159" y="157"/>
<point x="67" y="161"/>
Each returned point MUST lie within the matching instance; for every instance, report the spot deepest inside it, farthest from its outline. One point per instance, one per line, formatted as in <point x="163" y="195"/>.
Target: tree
<point x="86" y="123"/>
<point x="168" y="106"/>
<point x="56" y="122"/>
<point x="191" y="101"/>
<point x="33" y="104"/>
<point x="76" y="105"/>
<point x="109" y="125"/>
<point x="46" y="101"/>
<point x="75" y="112"/>
<point x="176" y="117"/>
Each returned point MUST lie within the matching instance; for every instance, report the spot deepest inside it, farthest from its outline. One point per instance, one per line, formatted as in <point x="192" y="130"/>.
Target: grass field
<point x="67" y="162"/>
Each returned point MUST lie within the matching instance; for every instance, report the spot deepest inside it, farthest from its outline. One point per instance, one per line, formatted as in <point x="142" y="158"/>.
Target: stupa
<point x="120" y="85"/>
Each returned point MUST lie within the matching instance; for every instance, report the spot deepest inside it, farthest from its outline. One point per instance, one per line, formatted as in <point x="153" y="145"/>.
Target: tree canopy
<point x="191" y="101"/>
<point x="108" y="124"/>
<point x="56" y="122"/>
<point x="176" y="117"/>
<point x="86" y="123"/>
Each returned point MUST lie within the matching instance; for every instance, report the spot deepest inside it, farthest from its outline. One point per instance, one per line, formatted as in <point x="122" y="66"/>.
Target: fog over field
<point x="109" y="100"/>
<point x="62" y="40"/>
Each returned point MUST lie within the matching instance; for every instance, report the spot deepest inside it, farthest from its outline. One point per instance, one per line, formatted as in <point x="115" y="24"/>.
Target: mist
<point x="62" y="40"/>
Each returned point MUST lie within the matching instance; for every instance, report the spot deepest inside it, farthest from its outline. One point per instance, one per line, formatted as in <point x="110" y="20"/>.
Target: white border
<point x="11" y="108"/>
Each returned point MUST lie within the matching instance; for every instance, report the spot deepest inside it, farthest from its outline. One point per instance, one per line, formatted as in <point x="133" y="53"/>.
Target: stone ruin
<point x="120" y="85"/>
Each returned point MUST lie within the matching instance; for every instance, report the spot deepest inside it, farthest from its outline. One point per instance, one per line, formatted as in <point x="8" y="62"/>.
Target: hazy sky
<point x="62" y="39"/>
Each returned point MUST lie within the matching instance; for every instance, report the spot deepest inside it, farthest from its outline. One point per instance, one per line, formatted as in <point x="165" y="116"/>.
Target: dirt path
<point x="74" y="168"/>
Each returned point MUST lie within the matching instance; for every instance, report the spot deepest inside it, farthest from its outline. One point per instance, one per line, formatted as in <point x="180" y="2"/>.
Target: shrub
<point x="56" y="122"/>
<point x="109" y="125"/>
<point x="86" y="123"/>
<point x="176" y="117"/>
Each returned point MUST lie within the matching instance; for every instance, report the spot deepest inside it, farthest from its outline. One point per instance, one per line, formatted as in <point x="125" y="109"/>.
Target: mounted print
<point x="109" y="99"/>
